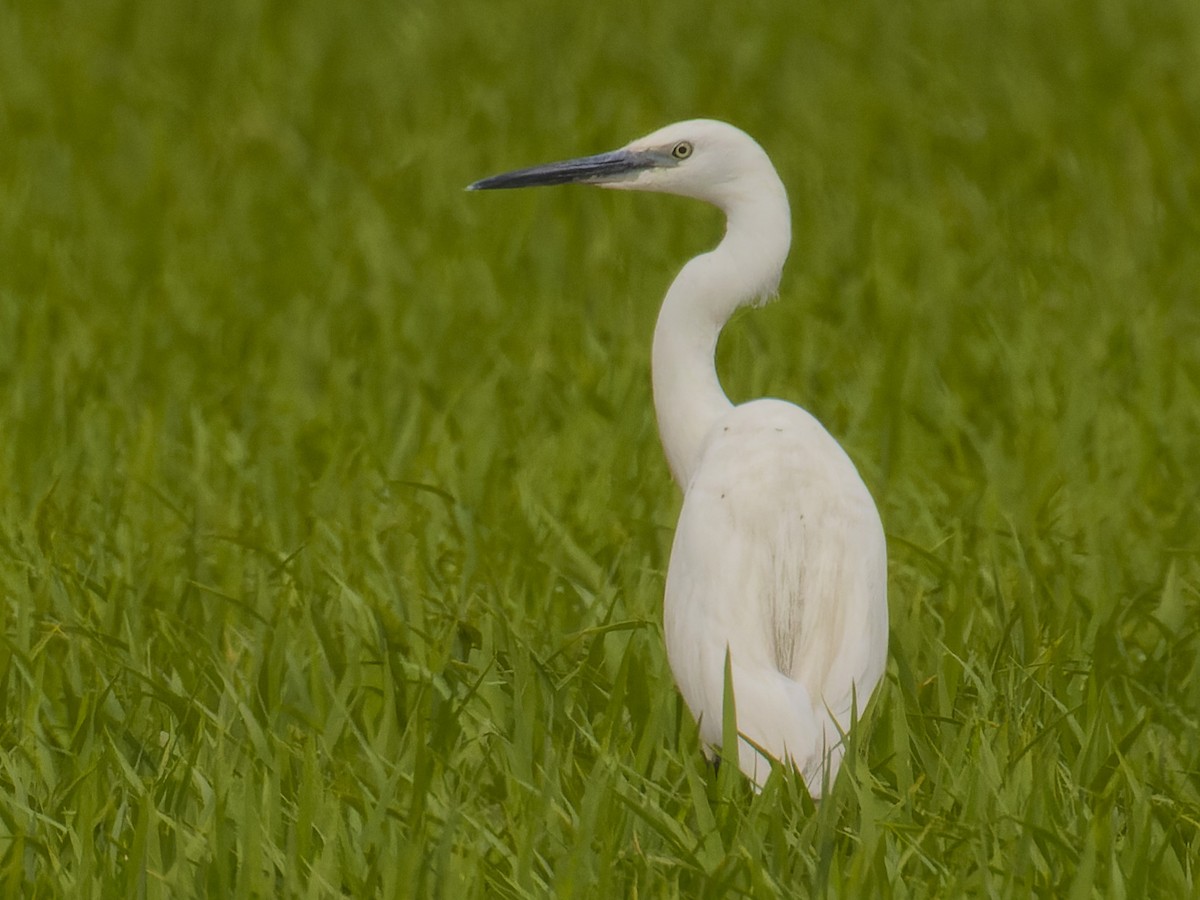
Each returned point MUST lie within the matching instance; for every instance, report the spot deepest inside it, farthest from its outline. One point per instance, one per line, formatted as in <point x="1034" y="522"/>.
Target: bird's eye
<point x="682" y="150"/>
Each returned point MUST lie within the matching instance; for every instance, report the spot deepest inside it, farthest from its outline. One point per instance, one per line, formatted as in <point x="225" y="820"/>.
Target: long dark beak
<point x="603" y="168"/>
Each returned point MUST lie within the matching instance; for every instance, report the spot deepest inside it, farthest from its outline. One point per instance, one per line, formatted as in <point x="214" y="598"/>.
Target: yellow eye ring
<point x="682" y="150"/>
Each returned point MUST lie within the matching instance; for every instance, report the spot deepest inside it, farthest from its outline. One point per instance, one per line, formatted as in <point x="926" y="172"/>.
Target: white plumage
<point x="779" y="560"/>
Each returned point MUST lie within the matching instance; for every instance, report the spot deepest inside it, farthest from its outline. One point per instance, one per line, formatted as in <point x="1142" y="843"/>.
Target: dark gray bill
<point x="587" y="169"/>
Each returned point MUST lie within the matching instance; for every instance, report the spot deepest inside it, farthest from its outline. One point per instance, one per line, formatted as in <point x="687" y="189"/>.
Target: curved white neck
<point x="745" y="266"/>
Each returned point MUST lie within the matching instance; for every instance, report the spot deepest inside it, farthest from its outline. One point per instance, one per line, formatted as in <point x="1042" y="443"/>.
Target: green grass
<point x="333" y="522"/>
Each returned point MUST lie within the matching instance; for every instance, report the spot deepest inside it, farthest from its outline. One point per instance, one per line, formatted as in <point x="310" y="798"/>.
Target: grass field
<point x="333" y="520"/>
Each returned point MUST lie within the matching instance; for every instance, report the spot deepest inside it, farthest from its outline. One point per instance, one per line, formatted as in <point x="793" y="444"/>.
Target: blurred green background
<point x="333" y="521"/>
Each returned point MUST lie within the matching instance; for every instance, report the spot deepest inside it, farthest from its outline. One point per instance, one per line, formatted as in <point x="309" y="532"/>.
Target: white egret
<point x="779" y="561"/>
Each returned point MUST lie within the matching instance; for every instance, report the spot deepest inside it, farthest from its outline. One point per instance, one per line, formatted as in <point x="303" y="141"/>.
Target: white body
<point x="779" y="563"/>
<point x="779" y="559"/>
<point x="779" y="556"/>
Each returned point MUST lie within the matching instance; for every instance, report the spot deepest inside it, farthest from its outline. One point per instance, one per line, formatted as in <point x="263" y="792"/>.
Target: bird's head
<point x="700" y="158"/>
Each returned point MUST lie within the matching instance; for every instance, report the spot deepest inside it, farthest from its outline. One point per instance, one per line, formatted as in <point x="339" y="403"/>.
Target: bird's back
<point x="779" y="558"/>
